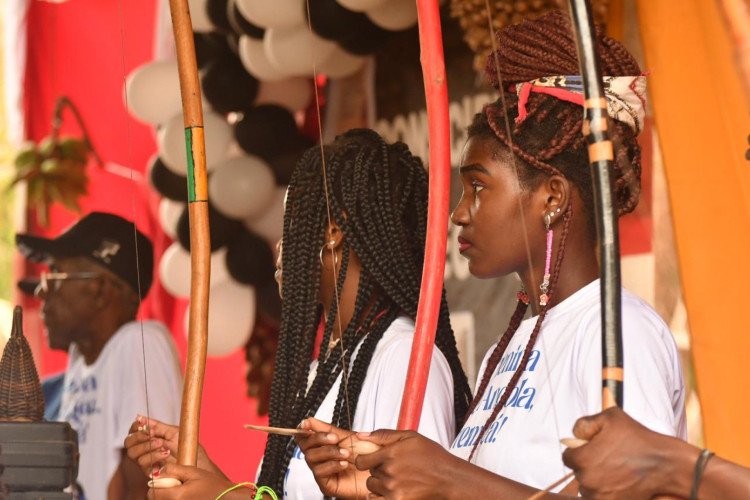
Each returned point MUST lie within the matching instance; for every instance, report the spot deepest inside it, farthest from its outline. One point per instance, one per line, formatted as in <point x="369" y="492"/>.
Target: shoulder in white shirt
<point x="380" y="400"/>
<point x="562" y="382"/>
<point x="101" y="400"/>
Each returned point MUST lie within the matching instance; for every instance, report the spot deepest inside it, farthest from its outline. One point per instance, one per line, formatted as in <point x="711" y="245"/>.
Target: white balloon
<point x="241" y="187"/>
<point x="153" y="92"/>
<point x="169" y="214"/>
<point x="394" y="15"/>
<point x="256" y="62"/>
<point x="199" y="16"/>
<point x="293" y="94"/>
<point x="219" y="270"/>
<point x="174" y="269"/>
<point x="291" y="49"/>
<point x="361" y="5"/>
<point x="171" y="140"/>
<point x="270" y="224"/>
<point x="341" y="63"/>
<point x="231" y="317"/>
<point x="272" y="13"/>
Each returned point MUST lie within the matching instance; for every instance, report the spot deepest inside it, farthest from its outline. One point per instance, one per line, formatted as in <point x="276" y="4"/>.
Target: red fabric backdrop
<point x="84" y="49"/>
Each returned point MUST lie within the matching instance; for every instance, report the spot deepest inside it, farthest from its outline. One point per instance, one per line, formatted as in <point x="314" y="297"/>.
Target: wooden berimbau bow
<point x="596" y="127"/>
<point x="200" y="242"/>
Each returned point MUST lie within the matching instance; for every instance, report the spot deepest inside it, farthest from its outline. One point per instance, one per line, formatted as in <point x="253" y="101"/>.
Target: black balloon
<point x="250" y="259"/>
<point x="363" y="39"/>
<point x="328" y="17"/>
<point x="233" y="40"/>
<point x="265" y="131"/>
<point x="353" y="30"/>
<point x="167" y="183"/>
<point x="217" y="13"/>
<point x="209" y="47"/>
<point x="228" y="86"/>
<point x="223" y="229"/>
<point x="283" y="164"/>
<point x="240" y="25"/>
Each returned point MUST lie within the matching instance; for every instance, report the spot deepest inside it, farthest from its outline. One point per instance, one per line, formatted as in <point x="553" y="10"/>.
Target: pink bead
<point x="548" y="260"/>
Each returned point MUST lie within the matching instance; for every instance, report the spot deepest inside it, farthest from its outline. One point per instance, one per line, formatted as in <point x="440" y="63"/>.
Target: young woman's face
<point x="492" y="235"/>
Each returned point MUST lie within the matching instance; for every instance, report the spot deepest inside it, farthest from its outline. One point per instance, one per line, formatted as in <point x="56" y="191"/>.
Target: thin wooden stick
<point x="278" y="430"/>
<point x="551" y="487"/>
<point x="573" y="442"/>
<point x="356" y="446"/>
<point x="569" y="443"/>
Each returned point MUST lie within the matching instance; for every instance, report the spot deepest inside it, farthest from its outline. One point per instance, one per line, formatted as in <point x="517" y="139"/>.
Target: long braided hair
<point x="550" y="141"/>
<point x="378" y="197"/>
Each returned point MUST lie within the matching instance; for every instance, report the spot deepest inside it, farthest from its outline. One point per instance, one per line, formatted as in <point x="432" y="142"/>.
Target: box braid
<point x="548" y="142"/>
<point x="378" y="197"/>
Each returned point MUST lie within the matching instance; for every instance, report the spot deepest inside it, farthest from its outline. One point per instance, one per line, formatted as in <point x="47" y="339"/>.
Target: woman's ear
<point x="334" y="236"/>
<point x="555" y="195"/>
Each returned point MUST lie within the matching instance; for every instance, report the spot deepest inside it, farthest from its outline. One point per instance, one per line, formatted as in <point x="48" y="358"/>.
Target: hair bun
<point x="546" y="46"/>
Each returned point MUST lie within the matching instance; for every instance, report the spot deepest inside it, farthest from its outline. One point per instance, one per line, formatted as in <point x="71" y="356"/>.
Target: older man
<point x="99" y="270"/>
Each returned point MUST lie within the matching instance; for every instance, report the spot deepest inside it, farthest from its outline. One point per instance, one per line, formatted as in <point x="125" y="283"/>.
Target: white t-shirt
<point x="562" y="382"/>
<point x="380" y="401"/>
<point x="101" y="400"/>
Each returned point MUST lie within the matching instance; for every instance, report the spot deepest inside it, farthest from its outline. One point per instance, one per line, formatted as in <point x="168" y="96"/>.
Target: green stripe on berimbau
<point x="190" y="164"/>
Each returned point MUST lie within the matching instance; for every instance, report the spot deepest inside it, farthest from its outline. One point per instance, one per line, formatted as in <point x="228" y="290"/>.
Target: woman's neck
<point x="345" y="314"/>
<point x="579" y="268"/>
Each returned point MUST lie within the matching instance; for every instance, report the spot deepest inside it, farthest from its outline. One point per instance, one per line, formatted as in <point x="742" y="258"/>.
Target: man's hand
<point x="623" y="459"/>
<point x="409" y="466"/>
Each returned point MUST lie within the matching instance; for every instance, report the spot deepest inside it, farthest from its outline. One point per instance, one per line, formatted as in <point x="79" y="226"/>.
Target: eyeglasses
<point x="56" y="280"/>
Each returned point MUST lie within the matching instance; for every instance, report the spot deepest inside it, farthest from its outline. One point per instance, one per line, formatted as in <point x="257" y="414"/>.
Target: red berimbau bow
<point x="436" y="93"/>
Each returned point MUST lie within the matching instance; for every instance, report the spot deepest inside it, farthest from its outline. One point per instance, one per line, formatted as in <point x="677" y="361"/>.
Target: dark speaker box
<point x="38" y="456"/>
<point x="39" y="495"/>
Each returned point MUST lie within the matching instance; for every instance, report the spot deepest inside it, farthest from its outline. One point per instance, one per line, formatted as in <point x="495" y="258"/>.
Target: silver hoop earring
<point x="335" y="256"/>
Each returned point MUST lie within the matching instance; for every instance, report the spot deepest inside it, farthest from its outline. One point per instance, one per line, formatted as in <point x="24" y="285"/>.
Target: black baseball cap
<point x="107" y="239"/>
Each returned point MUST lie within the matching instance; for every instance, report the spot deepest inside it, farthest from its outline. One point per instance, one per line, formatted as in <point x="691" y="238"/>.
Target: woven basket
<point x="21" y="397"/>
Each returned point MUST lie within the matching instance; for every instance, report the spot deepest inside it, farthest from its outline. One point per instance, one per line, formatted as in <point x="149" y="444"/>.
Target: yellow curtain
<point x="701" y="114"/>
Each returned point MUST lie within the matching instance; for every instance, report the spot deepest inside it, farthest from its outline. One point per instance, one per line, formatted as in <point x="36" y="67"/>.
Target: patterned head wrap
<point x="626" y="95"/>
